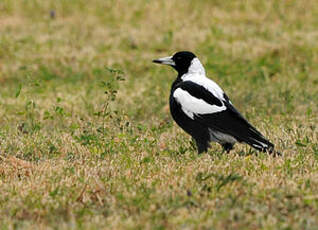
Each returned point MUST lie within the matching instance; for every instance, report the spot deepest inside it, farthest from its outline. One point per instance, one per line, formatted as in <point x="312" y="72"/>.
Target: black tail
<point x="260" y="143"/>
<point x="245" y="132"/>
<point x="256" y="140"/>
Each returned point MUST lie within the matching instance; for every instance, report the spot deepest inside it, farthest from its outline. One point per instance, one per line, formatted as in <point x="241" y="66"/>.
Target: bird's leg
<point x="227" y="147"/>
<point x="202" y="146"/>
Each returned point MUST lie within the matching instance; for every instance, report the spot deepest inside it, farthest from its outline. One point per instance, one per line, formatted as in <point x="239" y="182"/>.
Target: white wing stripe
<point x="191" y="105"/>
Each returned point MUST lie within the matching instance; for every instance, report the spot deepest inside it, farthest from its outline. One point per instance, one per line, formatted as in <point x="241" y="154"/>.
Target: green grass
<point x="86" y="138"/>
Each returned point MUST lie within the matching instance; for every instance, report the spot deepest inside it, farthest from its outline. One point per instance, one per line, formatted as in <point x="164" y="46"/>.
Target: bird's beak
<point x="165" y="61"/>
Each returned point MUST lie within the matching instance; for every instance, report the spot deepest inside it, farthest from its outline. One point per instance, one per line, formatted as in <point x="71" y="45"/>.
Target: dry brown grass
<point x="65" y="165"/>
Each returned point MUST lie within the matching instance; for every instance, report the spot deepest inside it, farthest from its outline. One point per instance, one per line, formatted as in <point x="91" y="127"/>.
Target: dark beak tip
<point x="156" y="61"/>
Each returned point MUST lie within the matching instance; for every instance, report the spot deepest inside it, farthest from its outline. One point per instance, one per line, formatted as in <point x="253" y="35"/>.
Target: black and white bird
<point x="202" y="109"/>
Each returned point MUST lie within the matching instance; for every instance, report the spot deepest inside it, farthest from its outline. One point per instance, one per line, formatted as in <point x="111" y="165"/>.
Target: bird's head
<point x="183" y="62"/>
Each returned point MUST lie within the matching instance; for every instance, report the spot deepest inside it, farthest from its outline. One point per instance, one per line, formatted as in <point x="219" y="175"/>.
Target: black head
<point x="180" y="61"/>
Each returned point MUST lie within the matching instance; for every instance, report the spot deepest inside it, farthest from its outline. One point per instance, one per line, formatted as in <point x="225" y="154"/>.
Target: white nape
<point x="196" y="67"/>
<point x="196" y="74"/>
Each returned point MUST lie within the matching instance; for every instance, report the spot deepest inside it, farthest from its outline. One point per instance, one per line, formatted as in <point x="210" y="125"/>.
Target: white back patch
<point x="191" y="105"/>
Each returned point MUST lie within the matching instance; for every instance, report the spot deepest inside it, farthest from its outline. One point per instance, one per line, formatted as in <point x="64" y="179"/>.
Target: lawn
<point x="86" y="137"/>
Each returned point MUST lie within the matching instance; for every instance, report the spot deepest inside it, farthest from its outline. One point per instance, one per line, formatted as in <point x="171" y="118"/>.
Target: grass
<point x="86" y="138"/>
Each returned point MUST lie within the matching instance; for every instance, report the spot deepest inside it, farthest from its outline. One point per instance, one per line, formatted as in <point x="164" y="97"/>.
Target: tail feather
<point x="256" y="140"/>
<point x="260" y="144"/>
<point x="249" y="134"/>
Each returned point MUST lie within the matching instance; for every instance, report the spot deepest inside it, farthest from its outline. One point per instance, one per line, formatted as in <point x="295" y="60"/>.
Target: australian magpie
<point x="203" y="110"/>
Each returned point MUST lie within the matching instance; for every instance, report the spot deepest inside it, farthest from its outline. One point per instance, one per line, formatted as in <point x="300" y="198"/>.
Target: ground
<point x="86" y="138"/>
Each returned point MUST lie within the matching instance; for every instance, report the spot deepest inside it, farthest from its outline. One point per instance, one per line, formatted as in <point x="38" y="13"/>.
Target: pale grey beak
<point x="165" y="61"/>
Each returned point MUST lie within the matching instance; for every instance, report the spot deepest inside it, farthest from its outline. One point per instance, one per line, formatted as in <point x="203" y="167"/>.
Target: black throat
<point x="176" y="83"/>
<point x="181" y="71"/>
